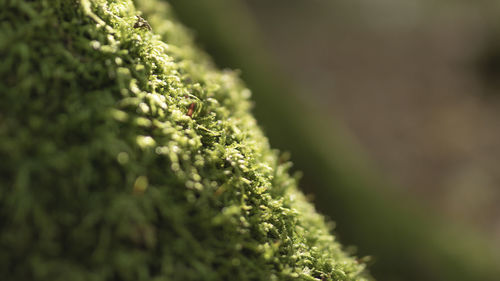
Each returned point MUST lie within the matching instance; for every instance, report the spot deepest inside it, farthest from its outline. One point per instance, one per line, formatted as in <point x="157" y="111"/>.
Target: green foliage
<point x="125" y="157"/>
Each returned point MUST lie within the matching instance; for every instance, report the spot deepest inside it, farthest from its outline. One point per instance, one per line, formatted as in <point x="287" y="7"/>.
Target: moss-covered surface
<point x="125" y="157"/>
<point x="409" y="242"/>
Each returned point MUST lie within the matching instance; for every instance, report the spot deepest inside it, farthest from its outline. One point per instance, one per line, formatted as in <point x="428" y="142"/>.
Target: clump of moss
<point x="125" y="157"/>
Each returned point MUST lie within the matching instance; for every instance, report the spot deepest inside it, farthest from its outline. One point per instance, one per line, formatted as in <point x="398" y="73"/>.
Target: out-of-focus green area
<point x="406" y="239"/>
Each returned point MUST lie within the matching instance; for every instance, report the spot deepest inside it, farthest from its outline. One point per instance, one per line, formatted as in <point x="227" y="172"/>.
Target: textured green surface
<point x="408" y="241"/>
<point x="125" y="157"/>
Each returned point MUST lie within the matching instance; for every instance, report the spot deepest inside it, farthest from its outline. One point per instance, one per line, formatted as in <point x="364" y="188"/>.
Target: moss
<point x="409" y="241"/>
<point x="130" y="157"/>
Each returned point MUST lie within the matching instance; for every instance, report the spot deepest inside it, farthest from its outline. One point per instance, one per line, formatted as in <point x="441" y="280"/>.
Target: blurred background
<point x="411" y="81"/>
<point x="391" y="111"/>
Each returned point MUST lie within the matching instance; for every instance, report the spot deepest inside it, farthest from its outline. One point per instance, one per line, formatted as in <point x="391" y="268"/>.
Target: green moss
<point x="125" y="157"/>
<point x="409" y="241"/>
